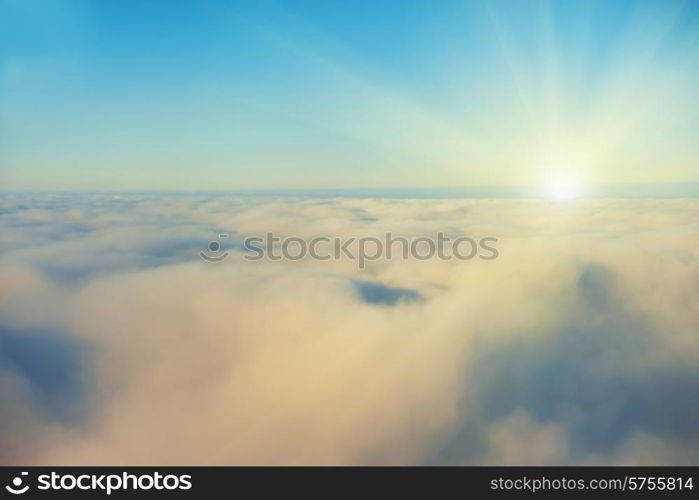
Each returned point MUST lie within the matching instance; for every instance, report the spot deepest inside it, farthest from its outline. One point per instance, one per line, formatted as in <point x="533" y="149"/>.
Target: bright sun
<point x="563" y="187"/>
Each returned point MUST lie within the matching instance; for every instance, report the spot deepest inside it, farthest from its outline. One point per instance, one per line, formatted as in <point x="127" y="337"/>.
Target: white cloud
<point x="536" y="357"/>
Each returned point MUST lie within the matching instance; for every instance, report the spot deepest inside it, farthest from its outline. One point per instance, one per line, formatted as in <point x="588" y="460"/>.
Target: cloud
<point x="577" y="345"/>
<point x="519" y="440"/>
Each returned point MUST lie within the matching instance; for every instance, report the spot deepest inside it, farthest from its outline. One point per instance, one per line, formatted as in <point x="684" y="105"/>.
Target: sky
<point x="135" y="134"/>
<point x="124" y="95"/>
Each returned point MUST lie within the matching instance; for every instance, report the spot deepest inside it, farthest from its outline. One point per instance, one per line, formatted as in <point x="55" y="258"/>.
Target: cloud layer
<point x="118" y="345"/>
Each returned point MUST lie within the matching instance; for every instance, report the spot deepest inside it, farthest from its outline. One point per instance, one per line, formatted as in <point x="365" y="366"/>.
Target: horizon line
<point x="621" y="190"/>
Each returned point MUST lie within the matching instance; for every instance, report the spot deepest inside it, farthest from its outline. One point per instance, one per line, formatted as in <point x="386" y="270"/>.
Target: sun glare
<point x="563" y="187"/>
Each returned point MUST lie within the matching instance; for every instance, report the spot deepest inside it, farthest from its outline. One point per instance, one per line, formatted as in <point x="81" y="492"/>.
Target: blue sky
<point x="312" y="94"/>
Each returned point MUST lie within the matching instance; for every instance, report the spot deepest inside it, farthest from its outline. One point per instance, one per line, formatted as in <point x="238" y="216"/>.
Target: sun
<point x="562" y="186"/>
